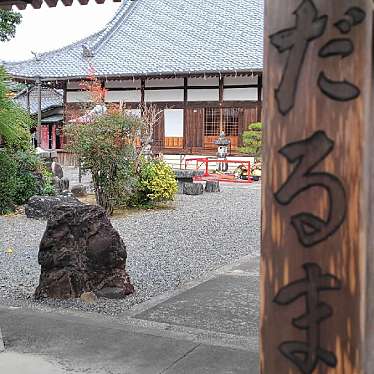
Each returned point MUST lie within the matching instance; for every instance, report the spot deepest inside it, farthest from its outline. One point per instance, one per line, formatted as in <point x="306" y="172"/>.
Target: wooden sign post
<point x="318" y="188"/>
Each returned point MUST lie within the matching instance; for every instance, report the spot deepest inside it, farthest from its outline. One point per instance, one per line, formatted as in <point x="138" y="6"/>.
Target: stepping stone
<point x="186" y="176"/>
<point x="212" y="186"/>
<point x="227" y="304"/>
<point x="193" y="188"/>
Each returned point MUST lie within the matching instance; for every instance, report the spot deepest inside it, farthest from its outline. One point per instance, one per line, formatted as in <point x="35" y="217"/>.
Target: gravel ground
<point x="166" y="248"/>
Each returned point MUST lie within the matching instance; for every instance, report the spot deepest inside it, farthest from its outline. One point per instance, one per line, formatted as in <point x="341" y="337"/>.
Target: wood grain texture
<point x="346" y="252"/>
<point x="173" y="142"/>
<point x="368" y="212"/>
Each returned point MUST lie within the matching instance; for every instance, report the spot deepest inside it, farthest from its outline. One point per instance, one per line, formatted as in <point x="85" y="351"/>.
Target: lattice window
<point x="231" y="121"/>
<point x="211" y="122"/>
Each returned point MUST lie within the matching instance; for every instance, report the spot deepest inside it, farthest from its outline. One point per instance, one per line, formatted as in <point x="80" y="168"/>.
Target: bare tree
<point x="151" y="115"/>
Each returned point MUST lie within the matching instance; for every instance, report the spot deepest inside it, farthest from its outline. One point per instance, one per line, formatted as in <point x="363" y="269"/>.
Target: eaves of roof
<point x="36" y="4"/>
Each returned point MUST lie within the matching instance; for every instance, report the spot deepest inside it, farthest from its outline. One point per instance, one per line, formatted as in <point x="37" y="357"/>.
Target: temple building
<point x="199" y="61"/>
<point x="52" y="111"/>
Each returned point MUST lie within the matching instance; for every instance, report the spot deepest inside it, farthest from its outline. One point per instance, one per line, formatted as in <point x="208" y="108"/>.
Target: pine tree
<point x="252" y="140"/>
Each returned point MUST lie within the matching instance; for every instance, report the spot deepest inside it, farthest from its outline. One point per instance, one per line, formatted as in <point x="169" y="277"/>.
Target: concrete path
<point x="209" y="326"/>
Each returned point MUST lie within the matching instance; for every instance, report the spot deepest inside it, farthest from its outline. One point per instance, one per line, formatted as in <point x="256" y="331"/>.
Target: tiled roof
<point x="51" y="98"/>
<point x="156" y="37"/>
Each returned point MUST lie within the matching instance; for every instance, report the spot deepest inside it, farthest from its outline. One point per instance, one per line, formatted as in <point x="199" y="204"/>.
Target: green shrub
<point x="8" y="182"/>
<point x="15" y="122"/>
<point x="27" y="186"/>
<point x="22" y="175"/>
<point x="107" y="148"/>
<point x="252" y="140"/>
<point x="157" y="183"/>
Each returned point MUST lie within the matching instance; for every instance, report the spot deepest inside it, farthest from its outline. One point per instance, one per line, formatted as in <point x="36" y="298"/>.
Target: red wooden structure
<point x="226" y="177"/>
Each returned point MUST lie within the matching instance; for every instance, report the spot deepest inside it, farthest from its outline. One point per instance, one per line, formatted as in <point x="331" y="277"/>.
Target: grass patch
<point x="124" y="212"/>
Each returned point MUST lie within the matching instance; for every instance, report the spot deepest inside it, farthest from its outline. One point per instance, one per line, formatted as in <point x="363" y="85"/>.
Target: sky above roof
<point x="50" y="28"/>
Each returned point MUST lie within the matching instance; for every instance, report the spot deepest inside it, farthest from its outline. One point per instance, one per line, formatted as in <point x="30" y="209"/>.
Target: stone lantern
<point x="222" y="142"/>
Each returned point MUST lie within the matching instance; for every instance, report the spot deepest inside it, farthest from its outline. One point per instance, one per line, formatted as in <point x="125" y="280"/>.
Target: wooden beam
<point x="39" y="113"/>
<point x="176" y="88"/>
<point x="185" y="117"/>
<point x="142" y="90"/>
<point x="64" y="100"/>
<point x="259" y="88"/>
<point x="317" y="280"/>
<point x="221" y="84"/>
<point x="28" y="89"/>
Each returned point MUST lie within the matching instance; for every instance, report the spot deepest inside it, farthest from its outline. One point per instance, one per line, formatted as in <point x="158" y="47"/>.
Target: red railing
<point x="226" y="177"/>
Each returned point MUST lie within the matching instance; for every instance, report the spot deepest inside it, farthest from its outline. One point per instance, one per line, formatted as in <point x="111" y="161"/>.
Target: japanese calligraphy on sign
<point x="310" y="25"/>
<point x="309" y="202"/>
<point x="307" y="154"/>
<point x="316" y="312"/>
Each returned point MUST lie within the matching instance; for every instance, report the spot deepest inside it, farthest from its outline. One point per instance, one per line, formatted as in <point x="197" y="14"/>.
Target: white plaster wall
<point x="123" y="84"/>
<point x="237" y="81"/>
<point x="78" y="97"/>
<point x="125" y="96"/>
<point x="73" y="85"/>
<point x="209" y="81"/>
<point x="240" y="94"/>
<point x="163" y="95"/>
<point x="172" y="82"/>
<point x="203" y="94"/>
<point x="174" y="122"/>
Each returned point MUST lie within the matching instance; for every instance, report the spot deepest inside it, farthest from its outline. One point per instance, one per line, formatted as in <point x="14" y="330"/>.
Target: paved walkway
<point x="208" y="326"/>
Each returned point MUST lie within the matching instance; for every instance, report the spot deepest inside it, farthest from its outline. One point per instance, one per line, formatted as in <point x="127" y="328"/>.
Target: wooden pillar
<point x="39" y="114"/>
<point x="259" y="98"/>
<point x="317" y="284"/>
<point x="142" y="92"/>
<point x="185" y="117"/>
<point x="64" y="99"/>
<point x="103" y="96"/>
<point x="221" y="87"/>
<point x="28" y="89"/>
<point x="259" y="88"/>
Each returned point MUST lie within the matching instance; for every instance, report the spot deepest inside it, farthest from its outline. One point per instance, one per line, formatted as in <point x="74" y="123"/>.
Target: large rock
<point x="60" y="185"/>
<point x="193" y="188"/>
<point x="40" y="207"/>
<point x="79" y="190"/>
<point x="81" y="252"/>
<point x="186" y="176"/>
